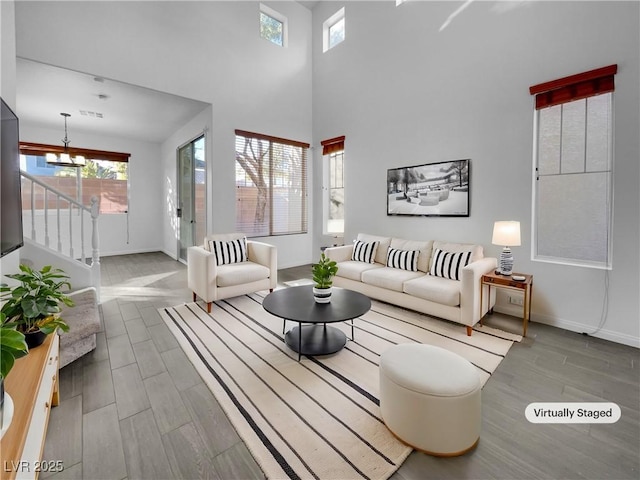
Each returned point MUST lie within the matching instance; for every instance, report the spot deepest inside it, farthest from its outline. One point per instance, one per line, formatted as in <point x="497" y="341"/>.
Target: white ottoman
<point x="430" y="399"/>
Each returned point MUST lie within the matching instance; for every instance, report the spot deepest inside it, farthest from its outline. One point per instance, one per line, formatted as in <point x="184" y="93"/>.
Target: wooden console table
<point x="33" y="386"/>
<point x="505" y="281"/>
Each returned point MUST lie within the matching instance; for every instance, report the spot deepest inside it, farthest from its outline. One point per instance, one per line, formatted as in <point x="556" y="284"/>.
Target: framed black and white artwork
<point x="430" y="190"/>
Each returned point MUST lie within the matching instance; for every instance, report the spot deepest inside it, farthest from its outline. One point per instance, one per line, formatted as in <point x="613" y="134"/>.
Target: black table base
<point x="314" y="335"/>
<point x="315" y="340"/>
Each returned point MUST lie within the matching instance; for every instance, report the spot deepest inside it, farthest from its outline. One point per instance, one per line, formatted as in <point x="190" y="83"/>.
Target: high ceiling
<point x="308" y="4"/>
<point x="97" y="105"/>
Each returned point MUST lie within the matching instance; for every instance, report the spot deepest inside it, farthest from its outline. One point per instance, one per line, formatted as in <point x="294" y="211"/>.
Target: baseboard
<point x="603" y="333"/>
<point x="170" y="254"/>
<point x="132" y="252"/>
<point x="572" y="326"/>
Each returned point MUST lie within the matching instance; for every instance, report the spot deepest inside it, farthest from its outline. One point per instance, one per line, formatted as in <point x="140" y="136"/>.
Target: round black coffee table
<point x="315" y="337"/>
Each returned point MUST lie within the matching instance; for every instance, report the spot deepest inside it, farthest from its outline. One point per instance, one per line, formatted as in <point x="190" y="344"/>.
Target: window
<point x="105" y="175"/>
<point x="271" y="185"/>
<point x="573" y="155"/>
<point x="333" y="30"/>
<point x="273" y="26"/>
<point x="333" y="151"/>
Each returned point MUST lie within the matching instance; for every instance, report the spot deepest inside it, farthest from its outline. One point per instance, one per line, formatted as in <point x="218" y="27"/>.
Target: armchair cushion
<point x="232" y="251"/>
<point x="240" y="273"/>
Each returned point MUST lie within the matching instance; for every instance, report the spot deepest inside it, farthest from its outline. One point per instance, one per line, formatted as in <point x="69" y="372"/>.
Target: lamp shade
<point x="506" y="233"/>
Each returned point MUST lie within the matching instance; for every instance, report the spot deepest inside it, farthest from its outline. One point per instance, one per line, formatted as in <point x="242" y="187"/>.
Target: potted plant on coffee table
<point x="33" y="306"/>
<point x="323" y="273"/>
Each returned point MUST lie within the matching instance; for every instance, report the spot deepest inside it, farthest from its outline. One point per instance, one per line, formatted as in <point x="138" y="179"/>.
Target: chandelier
<point x="65" y="158"/>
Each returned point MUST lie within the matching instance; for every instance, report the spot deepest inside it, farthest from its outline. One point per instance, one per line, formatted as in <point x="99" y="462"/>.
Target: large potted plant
<point x="33" y="306"/>
<point x="12" y="346"/>
<point x="323" y="273"/>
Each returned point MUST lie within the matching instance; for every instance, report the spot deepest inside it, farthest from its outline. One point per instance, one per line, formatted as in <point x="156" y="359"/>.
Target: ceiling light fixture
<point x="65" y="158"/>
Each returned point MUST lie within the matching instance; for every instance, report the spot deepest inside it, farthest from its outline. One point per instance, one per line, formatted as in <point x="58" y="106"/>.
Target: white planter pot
<point x="322" y="295"/>
<point x="7" y="414"/>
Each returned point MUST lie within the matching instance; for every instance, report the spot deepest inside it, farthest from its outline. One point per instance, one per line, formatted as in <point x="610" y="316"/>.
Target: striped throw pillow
<point x="403" y="259"/>
<point x="363" y="251"/>
<point x="233" y="251"/>
<point x="449" y="264"/>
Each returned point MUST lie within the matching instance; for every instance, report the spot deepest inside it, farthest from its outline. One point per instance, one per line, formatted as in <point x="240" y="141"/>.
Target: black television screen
<point x="10" y="189"/>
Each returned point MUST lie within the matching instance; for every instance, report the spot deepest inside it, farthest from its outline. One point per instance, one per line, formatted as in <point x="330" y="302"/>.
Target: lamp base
<point x="506" y="262"/>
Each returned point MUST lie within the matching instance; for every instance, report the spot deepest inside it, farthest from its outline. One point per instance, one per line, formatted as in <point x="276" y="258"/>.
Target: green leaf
<point x="6" y="363"/>
<point x="12" y="339"/>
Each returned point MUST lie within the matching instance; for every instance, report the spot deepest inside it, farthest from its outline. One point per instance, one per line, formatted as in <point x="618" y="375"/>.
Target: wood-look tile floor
<point x="135" y="408"/>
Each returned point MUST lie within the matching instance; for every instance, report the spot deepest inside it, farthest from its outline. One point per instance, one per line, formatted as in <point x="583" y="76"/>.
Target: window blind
<point x="271" y="189"/>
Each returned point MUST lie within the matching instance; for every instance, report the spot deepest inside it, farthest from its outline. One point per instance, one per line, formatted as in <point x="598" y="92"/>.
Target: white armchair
<point x="211" y="282"/>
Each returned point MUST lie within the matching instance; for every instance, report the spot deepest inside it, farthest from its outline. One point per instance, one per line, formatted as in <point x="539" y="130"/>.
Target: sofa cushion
<point x="389" y="278"/>
<point x="353" y="270"/>
<point x="240" y="273"/>
<point x="476" y="250"/>
<point x="435" y="289"/>
<point x="381" y="252"/>
<point x="424" y="248"/>
<point x="364" y="251"/>
<point x="232" y="251"/>
<point x="449" y="264"/>
<point x="403" y="259"/>
<point x="83" y="318"/>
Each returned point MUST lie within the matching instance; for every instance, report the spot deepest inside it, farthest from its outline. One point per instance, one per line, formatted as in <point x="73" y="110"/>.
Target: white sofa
<point x="211" y="282"/>
<point x="454" y="300"/>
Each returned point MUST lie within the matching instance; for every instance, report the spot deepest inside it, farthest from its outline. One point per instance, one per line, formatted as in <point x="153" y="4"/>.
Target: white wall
<point x="209" y="51"/>
<point x="411" y="96"/>
<point x="404" y="93"/>
<point x="141" y="229"/>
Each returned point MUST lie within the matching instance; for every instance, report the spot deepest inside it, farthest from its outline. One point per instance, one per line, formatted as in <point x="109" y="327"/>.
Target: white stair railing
<point x="40" y="224"/>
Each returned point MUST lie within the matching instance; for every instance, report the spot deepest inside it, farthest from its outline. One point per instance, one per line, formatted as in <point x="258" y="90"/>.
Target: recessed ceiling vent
<point x="88" y="113"/>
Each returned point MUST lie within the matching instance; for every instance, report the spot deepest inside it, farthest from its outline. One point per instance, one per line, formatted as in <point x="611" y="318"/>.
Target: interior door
<point x="191" y="196"/>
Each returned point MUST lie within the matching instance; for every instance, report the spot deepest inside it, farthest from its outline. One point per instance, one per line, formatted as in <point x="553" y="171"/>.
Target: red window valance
<point x="574" y="87"/>
<point x="332" y="145"/>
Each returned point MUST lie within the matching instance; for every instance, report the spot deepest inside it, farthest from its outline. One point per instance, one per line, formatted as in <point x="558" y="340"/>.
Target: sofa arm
<point x="267" y="255"/>
<point x="201" y="272"/>
<point x="470" y="290"/>
<point x="339" y="254"/>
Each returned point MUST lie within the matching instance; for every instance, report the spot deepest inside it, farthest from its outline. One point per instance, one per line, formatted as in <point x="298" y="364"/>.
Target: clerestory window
<point x="273" y="26"/>
<point x="333" y="30"/>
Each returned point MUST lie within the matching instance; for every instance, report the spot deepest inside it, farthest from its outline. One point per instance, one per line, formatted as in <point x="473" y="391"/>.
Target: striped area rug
<point x="317" y="418"/>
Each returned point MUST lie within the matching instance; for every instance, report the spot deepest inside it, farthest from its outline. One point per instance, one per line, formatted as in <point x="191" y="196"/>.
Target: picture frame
<point x="440" y="189"/>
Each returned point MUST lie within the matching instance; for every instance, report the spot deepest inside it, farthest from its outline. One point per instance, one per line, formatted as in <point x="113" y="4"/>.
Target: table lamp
<point x="507" y="234"/>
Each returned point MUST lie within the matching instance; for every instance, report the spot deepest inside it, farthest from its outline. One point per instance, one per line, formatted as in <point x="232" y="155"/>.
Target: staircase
<point x="56" y="229"/>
